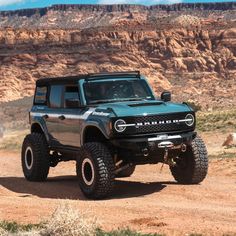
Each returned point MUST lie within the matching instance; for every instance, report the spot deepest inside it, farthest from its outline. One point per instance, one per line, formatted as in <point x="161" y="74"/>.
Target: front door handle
<point x="45" y="116"/>
<point x="62" y="117"/>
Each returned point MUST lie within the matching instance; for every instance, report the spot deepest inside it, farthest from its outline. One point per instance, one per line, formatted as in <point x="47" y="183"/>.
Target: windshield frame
<point x="103" y="101"/>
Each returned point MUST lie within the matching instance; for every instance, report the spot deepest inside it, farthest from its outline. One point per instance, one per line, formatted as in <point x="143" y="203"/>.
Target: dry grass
<point x="3" y="232"/>
<point x="68" y="221"/>
<point x="223" y="155"/>
<point x="12" y="141"/>
<point x="13" y="228"/>
<point x="216" y="120"/>
<point x="65" y="221"/>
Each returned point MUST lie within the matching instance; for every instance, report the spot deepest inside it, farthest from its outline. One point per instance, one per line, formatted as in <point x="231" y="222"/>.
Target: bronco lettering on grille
<point x="147" y="123"/>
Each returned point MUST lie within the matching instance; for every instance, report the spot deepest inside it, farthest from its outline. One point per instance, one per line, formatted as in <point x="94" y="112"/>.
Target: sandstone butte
<point x="188" y="49"/>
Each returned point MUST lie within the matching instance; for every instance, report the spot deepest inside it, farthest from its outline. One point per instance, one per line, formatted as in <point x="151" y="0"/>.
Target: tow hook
<point x="145" y="152"/>
<point x="183" y="148"/>
<point x="167" y="160"/>
<point x="167" y="145"/>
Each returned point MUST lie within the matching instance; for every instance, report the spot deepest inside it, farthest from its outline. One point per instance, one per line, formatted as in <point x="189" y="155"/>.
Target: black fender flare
<point x="93" y="125"/>
<point x="43" y="128"/>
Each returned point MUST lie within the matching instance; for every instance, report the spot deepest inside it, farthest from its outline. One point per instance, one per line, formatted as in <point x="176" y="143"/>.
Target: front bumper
<point x="154" y="143"/>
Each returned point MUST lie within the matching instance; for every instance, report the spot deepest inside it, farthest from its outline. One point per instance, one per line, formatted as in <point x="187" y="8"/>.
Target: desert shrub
<point x="68" y="221"/>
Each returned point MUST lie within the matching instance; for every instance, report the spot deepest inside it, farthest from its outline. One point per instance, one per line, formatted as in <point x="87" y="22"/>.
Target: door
<point x="69" y="120"/>
<point x="53" y="113"/>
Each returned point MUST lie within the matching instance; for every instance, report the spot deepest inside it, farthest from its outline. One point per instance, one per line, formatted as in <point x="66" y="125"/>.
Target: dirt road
<point x="148" y="201"/>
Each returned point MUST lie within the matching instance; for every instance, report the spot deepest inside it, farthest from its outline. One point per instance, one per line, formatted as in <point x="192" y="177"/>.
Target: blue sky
<point x="19" y="4"/>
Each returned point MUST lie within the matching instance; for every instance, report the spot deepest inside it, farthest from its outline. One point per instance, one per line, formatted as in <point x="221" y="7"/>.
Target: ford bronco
<point x="109" y="123"/>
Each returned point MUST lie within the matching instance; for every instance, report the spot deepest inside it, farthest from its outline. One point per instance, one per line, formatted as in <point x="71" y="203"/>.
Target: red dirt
<point x="149" y="201"/>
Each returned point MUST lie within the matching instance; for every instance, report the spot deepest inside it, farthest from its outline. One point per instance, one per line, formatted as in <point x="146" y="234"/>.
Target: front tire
<point x="35" y="157"/>
<point x="191" y="166"/>
<point x="95" y="170"/>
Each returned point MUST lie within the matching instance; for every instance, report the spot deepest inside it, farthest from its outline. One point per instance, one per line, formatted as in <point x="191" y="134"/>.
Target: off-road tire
<point x="192" y="166"/>
<point x="126" y="172"/>
<point x="97" y="156"/>
<point x="35" y="147"/>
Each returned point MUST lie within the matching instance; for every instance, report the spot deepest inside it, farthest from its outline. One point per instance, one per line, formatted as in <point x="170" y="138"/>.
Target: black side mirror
<point x="166" y="96"/>
<point x="72" y="103"/>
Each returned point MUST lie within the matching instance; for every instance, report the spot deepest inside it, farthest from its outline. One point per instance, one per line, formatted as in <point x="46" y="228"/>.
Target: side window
<point x="55" y="98"/>
<point x="71" y="94"/>
<point x="40" y="95"/>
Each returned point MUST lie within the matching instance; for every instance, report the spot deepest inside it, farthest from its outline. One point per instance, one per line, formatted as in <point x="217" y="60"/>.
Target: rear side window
<point x="40" y="95"/>
<point x="55" y="98"/>
<point x="71" y="92"/>
<point x="71" y="95"/>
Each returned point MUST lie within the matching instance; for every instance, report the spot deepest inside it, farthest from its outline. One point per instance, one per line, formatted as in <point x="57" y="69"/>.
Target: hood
<point x="144" y="108"/>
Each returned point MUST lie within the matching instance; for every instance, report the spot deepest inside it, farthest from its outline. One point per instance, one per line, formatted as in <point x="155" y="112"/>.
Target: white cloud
<point x="150" y="2"/>
<point x="9" y="2"/>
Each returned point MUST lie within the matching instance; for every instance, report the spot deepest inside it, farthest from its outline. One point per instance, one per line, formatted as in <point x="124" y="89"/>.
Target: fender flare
<point x="91" y="126"/>
<point x="42" y="128"/>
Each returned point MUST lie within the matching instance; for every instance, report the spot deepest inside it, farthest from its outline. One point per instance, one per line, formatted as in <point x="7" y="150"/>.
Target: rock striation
<point x="85" y="16"/>
<point x="189" y="49"/>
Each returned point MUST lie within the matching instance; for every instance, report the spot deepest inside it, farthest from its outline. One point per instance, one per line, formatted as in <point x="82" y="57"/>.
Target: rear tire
<point x="192" y="165"/>
<point x="126" y="173"/>
<point x="35" y="157"/>
<point x="95" y="170"/>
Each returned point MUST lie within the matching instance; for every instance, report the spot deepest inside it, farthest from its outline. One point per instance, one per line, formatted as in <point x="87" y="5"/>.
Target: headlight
<point x="120" y="125"/>
<point x="189" y="120"/>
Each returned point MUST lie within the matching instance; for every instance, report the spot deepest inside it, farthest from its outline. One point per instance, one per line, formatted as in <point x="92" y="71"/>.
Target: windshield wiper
<point x="117" y="100"/>
<point x="103" y="101"/>
<point x="135" y="99"/>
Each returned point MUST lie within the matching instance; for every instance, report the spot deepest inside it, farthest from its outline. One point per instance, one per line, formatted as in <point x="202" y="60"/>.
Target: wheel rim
<point x="87" y="171"/>
<point x="29" y="158"/>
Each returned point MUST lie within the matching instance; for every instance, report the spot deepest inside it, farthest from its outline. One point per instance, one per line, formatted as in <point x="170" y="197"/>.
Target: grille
<point x="155" y="128"/>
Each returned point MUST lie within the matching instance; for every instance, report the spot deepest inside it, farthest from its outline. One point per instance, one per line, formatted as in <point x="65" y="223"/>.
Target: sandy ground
<point x="148" y="201"/>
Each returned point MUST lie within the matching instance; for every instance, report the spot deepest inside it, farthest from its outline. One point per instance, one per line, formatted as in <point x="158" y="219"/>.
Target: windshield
<point x="117" y="90"/>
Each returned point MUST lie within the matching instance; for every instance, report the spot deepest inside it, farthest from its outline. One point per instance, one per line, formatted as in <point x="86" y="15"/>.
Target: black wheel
<point x="35" y="157"/>
<point x="192" y="165"/>
<point x="126" y="172"/>
<point x="95" y="170"/>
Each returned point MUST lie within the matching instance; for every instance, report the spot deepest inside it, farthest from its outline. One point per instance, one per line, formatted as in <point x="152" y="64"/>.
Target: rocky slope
<point x="189" y="49"/>
<point x="86" y="16"/>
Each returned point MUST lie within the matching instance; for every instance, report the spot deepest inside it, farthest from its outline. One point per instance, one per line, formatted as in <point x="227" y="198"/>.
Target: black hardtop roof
<point x="59" y="79"/>
<point x="87" y="77"/>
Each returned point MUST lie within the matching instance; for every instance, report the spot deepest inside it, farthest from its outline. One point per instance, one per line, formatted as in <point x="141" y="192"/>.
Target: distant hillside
<point x="189" y="49"/>
<point x="86" y="16"/>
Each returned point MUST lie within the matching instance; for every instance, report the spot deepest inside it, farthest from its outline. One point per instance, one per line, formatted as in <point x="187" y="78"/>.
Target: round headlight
<point x="189" y="119"/>
<point x="120" y="125"/>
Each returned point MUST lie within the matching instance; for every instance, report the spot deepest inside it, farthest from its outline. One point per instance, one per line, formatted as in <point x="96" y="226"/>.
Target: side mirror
<point x="72" y="103"/>
<point x="166" y="96"/>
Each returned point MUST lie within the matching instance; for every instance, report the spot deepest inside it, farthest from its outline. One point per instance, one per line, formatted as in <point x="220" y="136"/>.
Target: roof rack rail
<point x="101" y="75"/>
